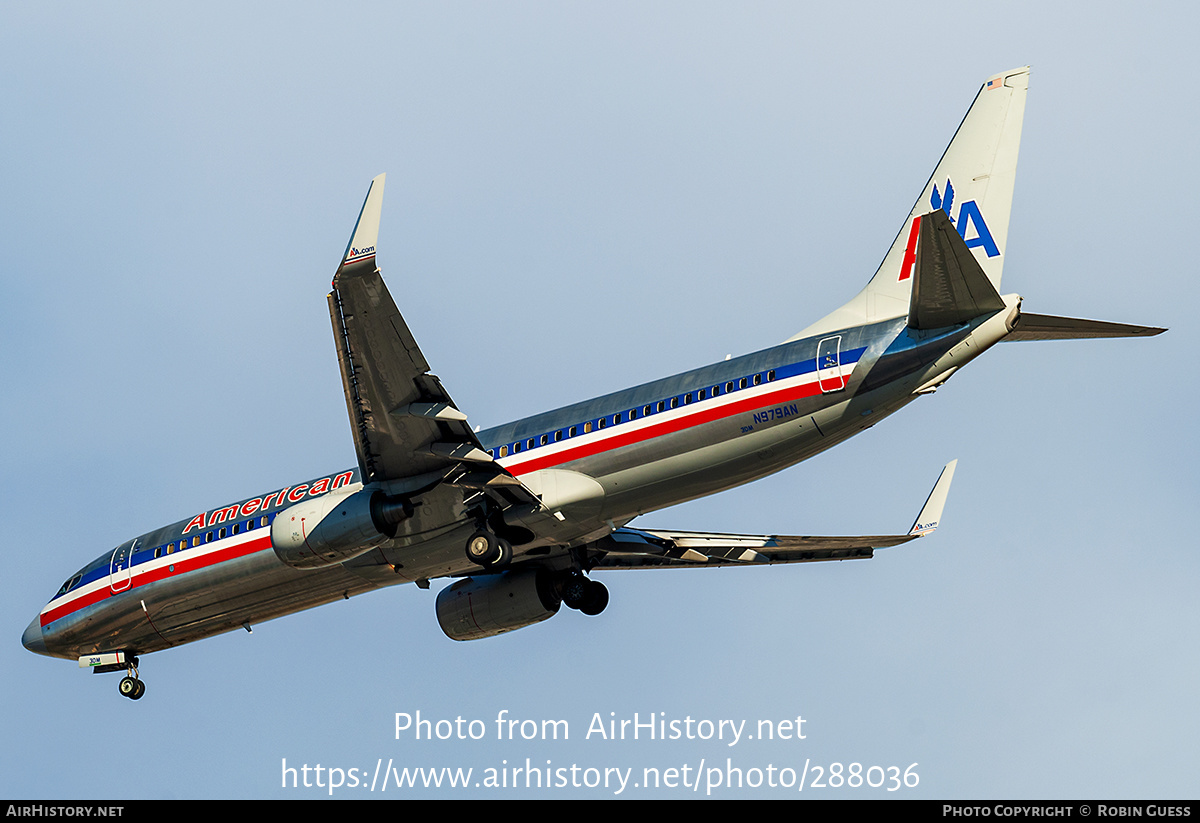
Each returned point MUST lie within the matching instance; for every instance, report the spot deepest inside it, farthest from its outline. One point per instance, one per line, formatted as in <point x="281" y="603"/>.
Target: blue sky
<point x="583" y="197"/>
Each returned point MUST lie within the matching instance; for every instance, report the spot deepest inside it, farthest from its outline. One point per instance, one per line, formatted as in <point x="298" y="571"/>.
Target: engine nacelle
<point x="335" y="528"/>
<point x="491" y="605"/>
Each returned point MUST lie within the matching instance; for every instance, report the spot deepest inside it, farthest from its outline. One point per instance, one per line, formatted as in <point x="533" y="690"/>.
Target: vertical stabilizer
<point x="972" y="184"/>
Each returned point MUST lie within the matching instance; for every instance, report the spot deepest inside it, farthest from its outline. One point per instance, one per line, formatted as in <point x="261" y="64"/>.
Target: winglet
<point x="361" y="247"/>
<point x="931" y="513"/>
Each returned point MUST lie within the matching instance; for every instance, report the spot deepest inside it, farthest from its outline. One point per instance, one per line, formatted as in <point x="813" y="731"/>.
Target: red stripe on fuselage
<point x="699" y="417"/>
<point x="183" y="565"/>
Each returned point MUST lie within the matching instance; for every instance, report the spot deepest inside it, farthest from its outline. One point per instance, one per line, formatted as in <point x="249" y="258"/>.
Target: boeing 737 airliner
<point x="522" y="514"/>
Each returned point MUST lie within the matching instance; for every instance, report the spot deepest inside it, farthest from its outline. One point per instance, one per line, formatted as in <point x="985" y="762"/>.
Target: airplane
<point x="523" y="514"/>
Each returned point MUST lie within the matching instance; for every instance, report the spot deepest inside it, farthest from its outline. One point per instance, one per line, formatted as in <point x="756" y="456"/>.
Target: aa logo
<point x="970" y="219"/>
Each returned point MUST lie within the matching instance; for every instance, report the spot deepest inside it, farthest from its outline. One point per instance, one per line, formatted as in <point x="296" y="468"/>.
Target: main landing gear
<point x="487" y="550"/>
<point x="588" y="596"/>
<point x="577" y="591"/>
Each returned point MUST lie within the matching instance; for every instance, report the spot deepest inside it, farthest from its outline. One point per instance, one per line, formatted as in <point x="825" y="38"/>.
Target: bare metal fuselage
<point x="698" y="448"/>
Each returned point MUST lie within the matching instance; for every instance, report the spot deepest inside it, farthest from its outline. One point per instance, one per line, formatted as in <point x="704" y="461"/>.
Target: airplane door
<point x="829" y="365"/>
<point x="120" y="571"/>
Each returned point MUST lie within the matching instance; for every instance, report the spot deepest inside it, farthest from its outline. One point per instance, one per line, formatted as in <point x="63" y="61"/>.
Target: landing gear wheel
<point x="595" y="598"/>
<point x="588" y="596"/>
<point x="574" y="591"/>
<point x="131" y="688"/>
<point x="489" y="551"/>
<point x="483" y="548"/>
<point x="505" y="554"/>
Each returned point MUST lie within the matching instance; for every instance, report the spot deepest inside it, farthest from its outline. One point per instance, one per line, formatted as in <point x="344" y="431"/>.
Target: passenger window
<point x="633" y="414"/>
<point x="546" y="439"/>
<point x="601" y="422"/>
<point x="504" y="451"/>
<point x="742" y="383"/>
<point x="770" y="375"/>
<point x="729" y="387"/>
<point x="757" y="379"/>
<point x="587" y="427"/>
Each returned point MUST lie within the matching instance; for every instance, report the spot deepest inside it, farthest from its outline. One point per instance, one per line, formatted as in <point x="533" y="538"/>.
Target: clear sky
<point x="582" y="197"/>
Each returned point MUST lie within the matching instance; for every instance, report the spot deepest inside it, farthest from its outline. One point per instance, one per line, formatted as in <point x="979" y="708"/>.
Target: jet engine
<point x="335" y="528"/>
<point x="482" y="607"/>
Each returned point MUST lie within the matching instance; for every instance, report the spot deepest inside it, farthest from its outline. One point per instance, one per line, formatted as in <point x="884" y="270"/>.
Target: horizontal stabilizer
<point x="1049" y="327"/>
<point x="949" y="286"/>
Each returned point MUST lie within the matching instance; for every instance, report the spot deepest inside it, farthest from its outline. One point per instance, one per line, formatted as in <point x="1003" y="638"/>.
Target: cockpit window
<point x="70" y="584"/>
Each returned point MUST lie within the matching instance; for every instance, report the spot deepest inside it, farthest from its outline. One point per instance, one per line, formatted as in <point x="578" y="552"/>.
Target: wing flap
<point x="628" y="548"/>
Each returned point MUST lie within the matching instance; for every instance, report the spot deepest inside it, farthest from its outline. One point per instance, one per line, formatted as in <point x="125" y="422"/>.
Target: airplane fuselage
<point x="596" y="464"/>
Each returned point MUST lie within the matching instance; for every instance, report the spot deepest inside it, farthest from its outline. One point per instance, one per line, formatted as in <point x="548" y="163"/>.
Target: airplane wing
<point x="650" y="548"/>
<point x="405" y="424"/>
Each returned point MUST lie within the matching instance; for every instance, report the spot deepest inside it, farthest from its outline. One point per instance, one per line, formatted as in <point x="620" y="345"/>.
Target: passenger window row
<point x="629" y="415"/>
<point x="142" y="555"/>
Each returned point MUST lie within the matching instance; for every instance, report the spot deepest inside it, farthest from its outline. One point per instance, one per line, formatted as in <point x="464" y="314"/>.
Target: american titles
<point x="291" y="494"/>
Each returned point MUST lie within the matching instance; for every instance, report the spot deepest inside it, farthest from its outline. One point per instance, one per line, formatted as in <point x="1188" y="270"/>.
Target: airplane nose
<point x="32" y="637"/>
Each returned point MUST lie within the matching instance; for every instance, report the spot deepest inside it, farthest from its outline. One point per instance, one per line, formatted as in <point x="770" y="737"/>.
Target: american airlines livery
<point x="524" y="513"/>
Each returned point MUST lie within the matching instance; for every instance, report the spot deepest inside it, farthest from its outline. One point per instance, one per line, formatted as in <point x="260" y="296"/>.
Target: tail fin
<point x="972" y="184"/>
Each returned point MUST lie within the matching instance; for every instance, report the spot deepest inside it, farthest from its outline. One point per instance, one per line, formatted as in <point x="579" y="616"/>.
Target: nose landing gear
<point x="132" y="686"/>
